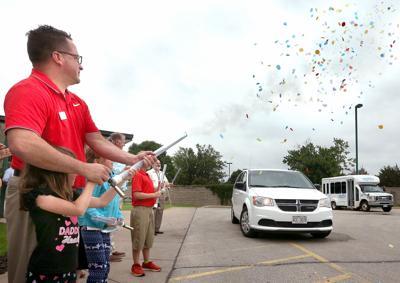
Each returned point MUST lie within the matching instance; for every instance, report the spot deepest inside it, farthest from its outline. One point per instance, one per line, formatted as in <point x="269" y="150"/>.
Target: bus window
<point x="337" y="188"/>
<point x="343" y="187"/>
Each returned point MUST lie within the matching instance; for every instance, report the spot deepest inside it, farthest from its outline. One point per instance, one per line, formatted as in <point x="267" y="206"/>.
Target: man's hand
<point x="97" y="173"/>
<point x="148" y="158"/>
<point x="157" y="194"/>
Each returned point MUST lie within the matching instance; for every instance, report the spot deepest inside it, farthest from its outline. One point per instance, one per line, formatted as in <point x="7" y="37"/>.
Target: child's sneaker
<point x="137" y="270"/>
<point x="151" y="266"/>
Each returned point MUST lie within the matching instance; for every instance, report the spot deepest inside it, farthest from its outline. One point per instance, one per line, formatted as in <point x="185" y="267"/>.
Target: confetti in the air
<point x="326" y="69"/>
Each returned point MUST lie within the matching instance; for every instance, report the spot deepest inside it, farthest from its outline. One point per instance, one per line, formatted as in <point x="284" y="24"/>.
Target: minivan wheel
<point x="233" y="218"/>
<point x="245" y="224"/>
<point x="387" y="209"/>
<point x="333" y="205"/>
<point x="364" y="206"/>
<point x="320" y="235"/>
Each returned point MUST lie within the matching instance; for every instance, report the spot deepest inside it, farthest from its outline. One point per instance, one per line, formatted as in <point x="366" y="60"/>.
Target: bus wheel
<point x="333" y="205"/>
<point x="387" y="209"/>
<point x="364" y="206"/>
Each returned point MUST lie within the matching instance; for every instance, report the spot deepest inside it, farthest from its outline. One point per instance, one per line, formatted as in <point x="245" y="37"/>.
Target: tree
<point x="164" y="158"/>
<point x="361" y="171"/>
<point x="233" y="176"/>
<point x="390" y="176"/>
<point x="318" y="162"/>
<point x="199" y="168"/>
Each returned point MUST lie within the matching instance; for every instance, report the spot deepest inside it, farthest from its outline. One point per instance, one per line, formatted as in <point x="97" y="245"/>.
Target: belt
<point x="17" y="172"/>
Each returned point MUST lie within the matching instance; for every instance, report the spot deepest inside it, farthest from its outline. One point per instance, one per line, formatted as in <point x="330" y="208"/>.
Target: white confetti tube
<point x="118" y="178"/>
<point x="111" y="221"/>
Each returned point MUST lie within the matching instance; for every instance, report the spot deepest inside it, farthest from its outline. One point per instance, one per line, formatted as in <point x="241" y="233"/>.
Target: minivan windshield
<point x="371" y="189"/>
<point x="283" y="179"/>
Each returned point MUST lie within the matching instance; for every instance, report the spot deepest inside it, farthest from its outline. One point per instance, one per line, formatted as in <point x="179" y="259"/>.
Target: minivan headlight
<point x="324" y="203"/>
<point x="262" y="201"/>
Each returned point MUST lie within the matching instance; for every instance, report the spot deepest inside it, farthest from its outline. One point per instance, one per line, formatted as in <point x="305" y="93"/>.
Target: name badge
<point x="63" y="116"/>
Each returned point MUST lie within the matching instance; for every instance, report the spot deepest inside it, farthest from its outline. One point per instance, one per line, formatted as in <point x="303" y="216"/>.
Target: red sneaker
<point x="151" y="266"/>
<point x="137" y="270"/>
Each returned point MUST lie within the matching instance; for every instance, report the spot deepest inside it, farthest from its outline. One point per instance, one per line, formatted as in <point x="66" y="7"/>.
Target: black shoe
<point x="159" y="232"/>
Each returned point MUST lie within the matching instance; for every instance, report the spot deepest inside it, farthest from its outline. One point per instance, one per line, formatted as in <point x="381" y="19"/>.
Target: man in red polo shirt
<point x="142" y="220"/>
<point x="40" y="112"/>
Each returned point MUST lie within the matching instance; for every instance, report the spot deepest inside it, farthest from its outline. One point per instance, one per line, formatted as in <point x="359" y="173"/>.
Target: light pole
<point x="229" y="169"/>
<point x="357" y="106"/>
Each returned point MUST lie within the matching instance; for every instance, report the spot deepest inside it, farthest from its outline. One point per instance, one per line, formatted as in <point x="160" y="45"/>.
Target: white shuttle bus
<point x="357" y="192"/>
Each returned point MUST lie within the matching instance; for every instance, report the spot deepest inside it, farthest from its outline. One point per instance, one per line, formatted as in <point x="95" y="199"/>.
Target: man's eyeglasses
<point x="78" y="57"/>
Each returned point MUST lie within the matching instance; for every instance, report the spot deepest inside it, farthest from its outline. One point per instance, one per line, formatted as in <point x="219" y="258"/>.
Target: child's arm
<point x="71" y="208"/>
<point x="105" y="198"/>
<point x="140" y="195"/>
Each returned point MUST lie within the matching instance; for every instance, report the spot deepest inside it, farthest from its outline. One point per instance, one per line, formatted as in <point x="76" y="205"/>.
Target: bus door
<point x="350" y="193"/>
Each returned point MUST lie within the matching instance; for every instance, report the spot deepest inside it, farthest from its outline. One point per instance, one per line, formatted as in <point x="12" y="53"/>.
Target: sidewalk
<point x="175" y="223"/>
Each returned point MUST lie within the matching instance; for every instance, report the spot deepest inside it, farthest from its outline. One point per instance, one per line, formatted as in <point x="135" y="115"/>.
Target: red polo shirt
<point x="38" y="105"/>
<point x="141" y="182"/>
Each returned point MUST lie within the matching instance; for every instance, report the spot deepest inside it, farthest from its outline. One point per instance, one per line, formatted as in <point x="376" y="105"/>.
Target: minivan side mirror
<point x="239" y="185"/>
<point x="318" y="186"/>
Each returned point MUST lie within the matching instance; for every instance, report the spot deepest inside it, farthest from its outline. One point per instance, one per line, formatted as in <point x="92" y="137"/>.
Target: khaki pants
<point x="158" y="213"/>
<point x="21" y="235"/>
<point x="142" y="221"/>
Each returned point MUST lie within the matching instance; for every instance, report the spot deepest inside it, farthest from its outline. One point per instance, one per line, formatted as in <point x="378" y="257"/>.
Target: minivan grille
<point x="284" y="224"/>
<point x="297" y="205"/>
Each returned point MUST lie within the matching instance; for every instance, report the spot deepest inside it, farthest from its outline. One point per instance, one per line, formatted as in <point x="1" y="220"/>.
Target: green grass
<point x="128" y="205"/>
<point x="3" y="239"/>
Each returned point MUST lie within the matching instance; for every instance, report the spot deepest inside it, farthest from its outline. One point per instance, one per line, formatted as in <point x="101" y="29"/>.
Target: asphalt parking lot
<point x="363" y="247"/>
<point x="202" y="245"/>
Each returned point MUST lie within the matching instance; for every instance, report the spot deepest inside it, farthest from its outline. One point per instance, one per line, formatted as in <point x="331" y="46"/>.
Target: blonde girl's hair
<point x="91" y="156"/>
<point x="34" y="177"/>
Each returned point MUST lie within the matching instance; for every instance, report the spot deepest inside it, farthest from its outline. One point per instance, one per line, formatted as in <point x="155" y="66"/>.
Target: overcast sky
<point x="252" y="78"/>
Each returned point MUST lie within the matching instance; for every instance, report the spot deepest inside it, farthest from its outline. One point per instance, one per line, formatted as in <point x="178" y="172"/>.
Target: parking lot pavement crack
<point x="180" y="248"/>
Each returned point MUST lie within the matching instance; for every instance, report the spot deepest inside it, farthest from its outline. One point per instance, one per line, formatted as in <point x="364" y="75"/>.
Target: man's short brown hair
<point x="43" y="41"/>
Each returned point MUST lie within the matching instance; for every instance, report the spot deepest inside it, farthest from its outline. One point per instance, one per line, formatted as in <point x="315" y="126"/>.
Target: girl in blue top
<point x="95" y="238"/>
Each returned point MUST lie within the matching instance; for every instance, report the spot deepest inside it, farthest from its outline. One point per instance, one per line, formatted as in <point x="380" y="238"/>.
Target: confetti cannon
<point x="114" y="181"/>
<point x="112" y="223"/>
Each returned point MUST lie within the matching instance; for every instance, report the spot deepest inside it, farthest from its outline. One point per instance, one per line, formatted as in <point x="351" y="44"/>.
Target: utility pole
<point x="357" y="106"/>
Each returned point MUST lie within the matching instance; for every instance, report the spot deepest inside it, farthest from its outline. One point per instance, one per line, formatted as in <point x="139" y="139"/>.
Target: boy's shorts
<point x="142" y="221"/>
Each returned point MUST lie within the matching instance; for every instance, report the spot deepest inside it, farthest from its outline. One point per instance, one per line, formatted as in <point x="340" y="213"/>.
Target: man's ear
<point x="57" y="58"/>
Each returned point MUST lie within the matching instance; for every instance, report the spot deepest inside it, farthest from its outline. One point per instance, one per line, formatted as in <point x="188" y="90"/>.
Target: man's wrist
<point x="132" y="159"/>
<point x="80" y="168"/>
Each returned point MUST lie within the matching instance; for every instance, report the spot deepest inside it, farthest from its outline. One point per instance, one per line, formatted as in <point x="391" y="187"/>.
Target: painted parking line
<point x="230" y="269"/>
<point x="319" y="258"/>
<point x="341" y="277"/>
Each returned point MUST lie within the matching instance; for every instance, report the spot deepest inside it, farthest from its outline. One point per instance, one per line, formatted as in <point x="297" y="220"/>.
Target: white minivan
<point x="279" y="200"/>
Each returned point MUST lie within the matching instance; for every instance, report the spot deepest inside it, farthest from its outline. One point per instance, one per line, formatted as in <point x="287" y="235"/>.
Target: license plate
<point x="385" y="206"/>
<point x="299" y="219"/>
